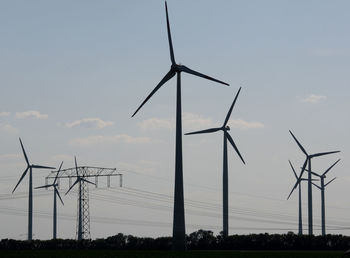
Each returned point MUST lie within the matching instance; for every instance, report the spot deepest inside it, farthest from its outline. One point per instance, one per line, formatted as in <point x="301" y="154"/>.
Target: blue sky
<point x="72" y="73"/>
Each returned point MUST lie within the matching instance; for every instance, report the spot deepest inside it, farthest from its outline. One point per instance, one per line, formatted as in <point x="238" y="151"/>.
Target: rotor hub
<point x="176" y="67"/>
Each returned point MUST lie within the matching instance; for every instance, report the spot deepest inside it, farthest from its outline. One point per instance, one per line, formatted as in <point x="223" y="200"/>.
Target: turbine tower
<point x="225" y="128"/>
<point x="322" y="188"/>
<point x="81" y="180"/>
<point x="30" y="198"/>
<point x="309" y="183"/>
<point x="179" y="210"/>
<point x="300" y="231"/>
<point x="55" y="194"/>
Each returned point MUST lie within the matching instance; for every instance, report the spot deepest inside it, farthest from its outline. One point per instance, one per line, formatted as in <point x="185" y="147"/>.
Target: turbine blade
<point x="166" y="78"/>
<point x="305" y="179"/>
<point x="299" y="179"/>
<point x="300" y="146"/>
<point x="313" y="173"/>
<point x="316" y="186"/>
<point x="58" y="194"/>
<point x="44" y="186"/>
<point x="230" y="111"/>
<point x="190" y="71"/>
<point x="87" y="181"/>
<point x="330" y="167"/>
<point x="58" y="171"/>
<point x="76" y="166"/>
<point x="296" y="184"/>
<point x="19" y="181"/>
<point x="42" y="167"/>
<point x="24" y="152"/>
<point x="76" y="181"/>
<point x="323" y="153"/>
<point x="330" y="182"/>
<point x="234" y="145"/>
<point x="303" y="169"/>
<point x="290" y="163"/>
<point x="211" y="130"/>
<point x="172" y="57"/>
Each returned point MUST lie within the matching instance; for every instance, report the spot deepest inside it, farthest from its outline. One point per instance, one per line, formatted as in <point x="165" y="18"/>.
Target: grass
<point x="168" y="254"/>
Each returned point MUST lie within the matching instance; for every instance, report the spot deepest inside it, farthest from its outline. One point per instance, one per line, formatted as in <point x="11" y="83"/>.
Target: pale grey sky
<point x="72" y="74"/>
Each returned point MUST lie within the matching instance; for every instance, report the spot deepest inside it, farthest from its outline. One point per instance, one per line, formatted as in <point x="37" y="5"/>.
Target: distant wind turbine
<point x="308" y="161"/>
<point x="225" y="128"/>
<point x="300" y="231"/>
<point x="176" y="69"/>
<point x="30" y="198"/>
<point x="79" y="180"/>
<point x="55" y="194"/>
<point x="322" y="188"/>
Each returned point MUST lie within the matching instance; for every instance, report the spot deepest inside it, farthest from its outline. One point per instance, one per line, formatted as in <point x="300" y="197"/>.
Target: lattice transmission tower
<point x="80" y="174"/>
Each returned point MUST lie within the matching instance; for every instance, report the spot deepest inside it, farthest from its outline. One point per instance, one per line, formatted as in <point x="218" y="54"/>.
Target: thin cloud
<point x="7" y="128"/>
<point x="190" y="121"/>
<point x="61" y="157"/>
<point x="244" y="125"/>
<point x="193" y="121"/>
<point x="3" y="114"/>
<point x="9" y="156"/>
<point x="12" y="160"/>
<point x="111" y="139"/>
<point x="31" y="113"/>
<point x="140" y="166"/>
<point x="330" y="52"/>
<point x="89" y="123"/>
<point x="313" y="99"/>
<point x="156" y="124"/>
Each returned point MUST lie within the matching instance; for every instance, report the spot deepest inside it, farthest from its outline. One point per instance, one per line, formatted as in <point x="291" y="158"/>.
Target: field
<point x="166" y="254"/>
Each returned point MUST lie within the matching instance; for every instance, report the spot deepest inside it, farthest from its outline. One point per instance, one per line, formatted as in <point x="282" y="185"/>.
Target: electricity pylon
<point x="80" y="174"/>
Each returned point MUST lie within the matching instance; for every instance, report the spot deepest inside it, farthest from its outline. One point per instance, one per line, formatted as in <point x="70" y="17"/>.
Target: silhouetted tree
<point x="201" y="239"/>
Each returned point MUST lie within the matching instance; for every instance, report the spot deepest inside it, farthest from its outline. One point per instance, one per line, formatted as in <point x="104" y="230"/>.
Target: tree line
<point x="198" y="240"/>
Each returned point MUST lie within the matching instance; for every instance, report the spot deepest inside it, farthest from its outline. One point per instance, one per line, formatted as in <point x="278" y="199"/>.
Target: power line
<point x="163" y="202"/>
<point x="283" y="218"/>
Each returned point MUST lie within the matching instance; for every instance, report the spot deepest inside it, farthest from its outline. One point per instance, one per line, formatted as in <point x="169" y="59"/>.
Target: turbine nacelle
<point x="176" y="67"/>
<point x="227" y="128"/>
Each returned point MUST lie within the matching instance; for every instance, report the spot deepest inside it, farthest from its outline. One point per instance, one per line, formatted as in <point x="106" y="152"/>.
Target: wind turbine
<point x="55" y="193"/>
<point x="308" y="161"/>
<point x="79" y="180"/>
<point x="322" y="188"/>
<point x="225" y="128"/>
<point x="300" y="208"/>
<point x="30" y="198"/>
<point x="176" y="69"/>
